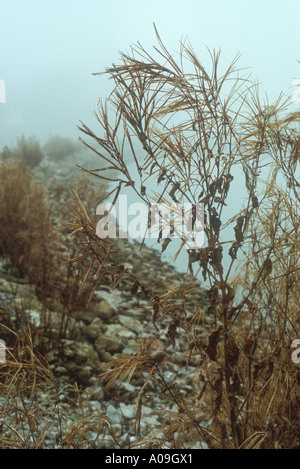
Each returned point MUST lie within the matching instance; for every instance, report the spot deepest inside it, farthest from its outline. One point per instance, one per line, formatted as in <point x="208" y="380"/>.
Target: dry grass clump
<point x="27" y="236"/>
<point x="34" y="413"/>
<point x="35" y="249"/>
<point x="195" y="132"/>
<point x="36" y="410"/>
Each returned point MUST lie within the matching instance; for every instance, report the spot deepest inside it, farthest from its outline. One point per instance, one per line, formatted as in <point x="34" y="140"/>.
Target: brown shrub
<point x="29" y="151"/>
<point x="57" y="148"/>
<point x="27" y="236"/>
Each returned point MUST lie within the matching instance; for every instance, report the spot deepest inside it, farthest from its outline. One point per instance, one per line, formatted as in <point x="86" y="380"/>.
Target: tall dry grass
<point x="192" y="129"/>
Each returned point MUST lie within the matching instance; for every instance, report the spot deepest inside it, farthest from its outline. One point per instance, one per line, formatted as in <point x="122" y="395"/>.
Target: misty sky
<point x="50" y="48"/>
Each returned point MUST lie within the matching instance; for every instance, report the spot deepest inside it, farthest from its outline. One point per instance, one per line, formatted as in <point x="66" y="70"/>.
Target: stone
<point x="97" y="392"/>
<point x="34" y="317"/>
<point x="104" y="356"/>
<point x="51" y="357"/>
<point x="93" y="330"/>
<point x="84" y="373"/>
<point x="128" y="410"/>
<point x="130" y="323"/>
<point x="116" y="330"/>
<point x="113" y="414"/>
<point x="6" y="286"/>
<point x="88" y="351"/>
<point x="61" y="370"/>
<point x="114" y="298"/>
<point x="132" y="346"/>
<point x="109" y="344"/>
<point x="88" y="316"/>
<point x="79" y="352"/>
<point x="105" y="310"/>
<point x="54" y="305"/>
<point x="127" y="387"/>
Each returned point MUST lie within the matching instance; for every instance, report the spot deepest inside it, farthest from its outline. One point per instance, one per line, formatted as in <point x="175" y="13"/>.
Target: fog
<point x="50" y="49"/>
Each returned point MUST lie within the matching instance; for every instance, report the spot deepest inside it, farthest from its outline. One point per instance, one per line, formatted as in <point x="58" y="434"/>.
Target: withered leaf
<point x="238" y="229"/>
<point x="235" y="386"/>
<point x="172" y="332"/>
<point x="213" y="341"/>
<point x="254" y="200"/>
<point x="229" y="296"/>
<point x="212" y="188"/>
<point x="204" y="257"/>
<point x="146" y="291"/>
<point x="173" y="190"/>
<point x="233" y="250"/>
<point x="250" y="306"/>
<point x="267" y="267"/>
<point x="218" y="389"/>
<point x="134" y="289"/>
<point x="194" y="256"/>
<point x="259" y="366"/>
<point x="238" y="235"/>
<point x="240" y="222"/>
<point x="216" y="258"/>
<point x="213" y="294"/>
<point x="248" y="346"/>
<point x="215" y="224"/>
<point x="165" y="244"/>
<point x="155" y="311"/>
<point x="162" y="176"/>
<point x="232" y="351"/>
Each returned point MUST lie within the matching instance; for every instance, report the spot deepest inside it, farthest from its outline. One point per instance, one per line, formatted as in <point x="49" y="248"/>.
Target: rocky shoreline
<point x="114" y="323"/>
